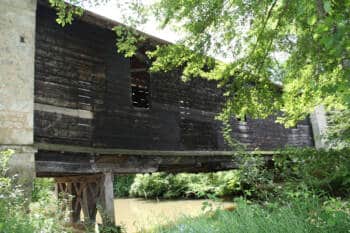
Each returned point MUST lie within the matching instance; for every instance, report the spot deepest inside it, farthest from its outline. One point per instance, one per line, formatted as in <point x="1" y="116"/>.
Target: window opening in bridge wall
<point x="140" y="83"/>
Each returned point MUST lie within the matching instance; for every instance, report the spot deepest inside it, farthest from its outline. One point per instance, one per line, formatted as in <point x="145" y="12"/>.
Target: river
<point x="139" y="214"/>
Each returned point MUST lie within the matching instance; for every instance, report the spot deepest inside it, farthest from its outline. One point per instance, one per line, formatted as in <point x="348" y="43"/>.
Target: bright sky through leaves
<point x="253" y="36"/>
<point x="111" y="10"/>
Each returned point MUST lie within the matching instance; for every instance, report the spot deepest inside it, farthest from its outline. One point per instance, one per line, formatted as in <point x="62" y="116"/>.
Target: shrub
<point x="324" y="171"/>
<point x="296" y="170"/>
<point x="321" y="170"/>
<point x="149" y="185"/>
<point x="177" y="185"/>
<point x="338" y="129"/>
<point x="227" y="183"/>
<point x="15" y="217"/>
<point x="162" y="185"/>
<point x="309" y="215"/>
<point x="256" y="178"/>
<point x="43" y="189"/>
<point x="122" y="185"/>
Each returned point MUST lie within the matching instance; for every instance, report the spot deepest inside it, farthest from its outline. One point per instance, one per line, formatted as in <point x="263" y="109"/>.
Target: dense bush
<point x="338" y="129"/>
<point x="254" y="180"/>
<point x="257" y="178"/>
<point x="324" y="171"/>
<point x="301" y="191"/>
<point x="43" y="189"/>
<point x="301" y="215"/>
<point x="155" y="185"/>
<point x="122" y="184"/>
<point x="162" y="185"/>
<point x="17" y="217"/>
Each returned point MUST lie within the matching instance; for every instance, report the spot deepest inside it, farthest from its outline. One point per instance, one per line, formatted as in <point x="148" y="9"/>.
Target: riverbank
<point x="137" y="214"/>
<point x="304" y="214"/>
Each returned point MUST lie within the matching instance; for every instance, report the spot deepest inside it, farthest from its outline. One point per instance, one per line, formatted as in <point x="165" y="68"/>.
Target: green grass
<point x="307" y="216"/>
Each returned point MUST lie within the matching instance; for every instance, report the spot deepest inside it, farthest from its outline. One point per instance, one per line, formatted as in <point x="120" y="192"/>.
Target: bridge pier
<point x="318" y="119"/>
<point x="17" y="45"/>
<point x="89" y="193"/>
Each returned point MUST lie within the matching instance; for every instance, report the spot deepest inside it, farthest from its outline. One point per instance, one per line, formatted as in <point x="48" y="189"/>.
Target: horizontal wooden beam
<point x="57" y="169"/>
<point x="53" y="160"/>
<point x="112" y="151"/>
<point x="49" y="163"/>
<point x="65" y="111"/>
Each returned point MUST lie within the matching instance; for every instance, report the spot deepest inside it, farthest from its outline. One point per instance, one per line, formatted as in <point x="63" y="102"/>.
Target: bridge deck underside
<point x="54" y="161"/>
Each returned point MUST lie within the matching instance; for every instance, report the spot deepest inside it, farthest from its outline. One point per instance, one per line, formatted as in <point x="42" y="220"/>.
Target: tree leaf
<point x="327" y="6"/>
<point x="312" y="20"/>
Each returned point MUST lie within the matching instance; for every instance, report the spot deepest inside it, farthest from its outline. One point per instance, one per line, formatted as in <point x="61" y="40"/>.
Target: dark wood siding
<point x="77" y="68"/>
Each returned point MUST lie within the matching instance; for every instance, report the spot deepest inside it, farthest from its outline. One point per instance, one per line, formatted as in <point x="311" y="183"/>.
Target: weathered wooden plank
<point x="46" y="167"/>
<point x="128" y="164"/>
<point x="55" y="169"/>
<point x="105" y="151"/>
<point x="64" y="111"/>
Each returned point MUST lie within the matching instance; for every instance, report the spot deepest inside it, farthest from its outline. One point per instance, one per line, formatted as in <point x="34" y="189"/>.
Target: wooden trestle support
<point x="87" y="193"/>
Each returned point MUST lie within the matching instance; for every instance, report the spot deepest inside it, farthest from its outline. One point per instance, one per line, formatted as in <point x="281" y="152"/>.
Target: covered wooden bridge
<point x="83" y="112"/>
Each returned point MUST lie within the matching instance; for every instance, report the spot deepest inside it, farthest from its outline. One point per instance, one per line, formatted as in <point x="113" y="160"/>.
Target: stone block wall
<point x="17" y="45"/>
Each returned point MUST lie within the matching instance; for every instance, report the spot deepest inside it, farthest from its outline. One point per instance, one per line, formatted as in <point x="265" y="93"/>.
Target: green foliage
<point x="122" y="185"/>
<point x="338" y="129"/>
<point x="43" y="189"/>
<point x="320" y="170"/>
<point x="252" y="32"/>
<point x="150" y="186"/>
<point x="162" y="185"/>
<point x="199" y="185"/>
<point x="127" y="40"/>
<point x="302" y="45"/>
<point x="108" y="226"/>
<point x="109" y="229"/>
<point x="294" y="171"/>
<point x="17" y="217"/>
<point x="256" y="179"/>
<point x="301" y="215"/>
<point x="227" y="183"/>
<point x="304" y="30"/>
<point x="66" y="12"/>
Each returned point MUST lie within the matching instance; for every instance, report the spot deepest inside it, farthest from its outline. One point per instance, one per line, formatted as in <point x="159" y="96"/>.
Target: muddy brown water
<point x="136" y="215"/>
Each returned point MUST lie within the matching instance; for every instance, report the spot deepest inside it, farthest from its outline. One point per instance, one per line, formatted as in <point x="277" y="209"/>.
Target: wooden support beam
<point x="84" y="193"/>
<point x="59" y="160"/>
<point x="51" y="165"/>
<point x="115" y="151"/>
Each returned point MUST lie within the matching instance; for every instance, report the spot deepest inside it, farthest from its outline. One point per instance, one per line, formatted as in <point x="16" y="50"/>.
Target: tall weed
<point x="309" y="215"/>
<point x="43" y="216"/>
